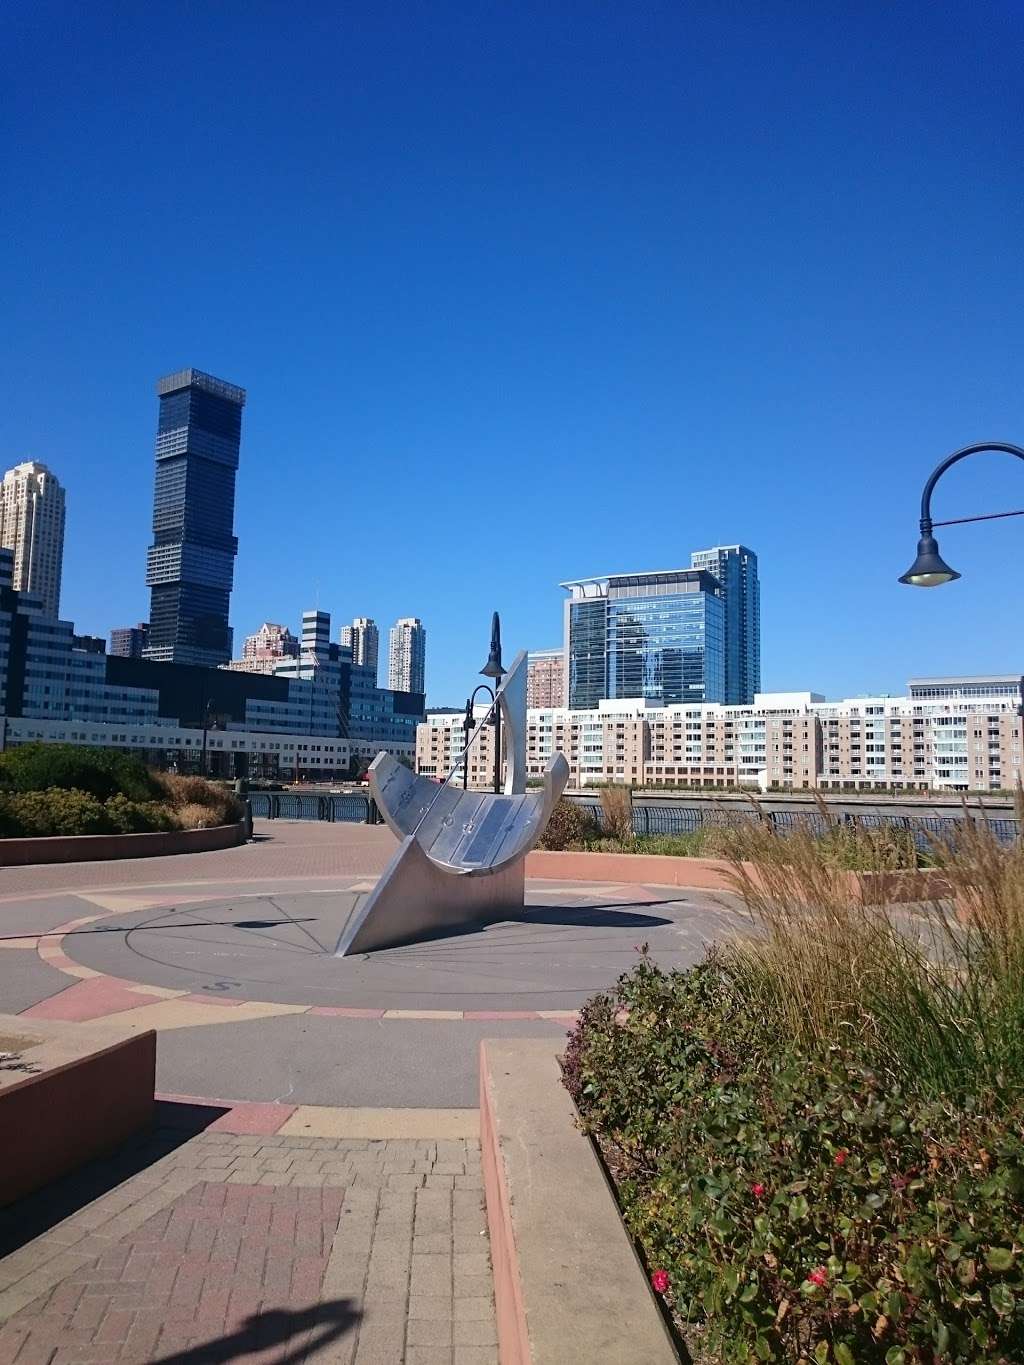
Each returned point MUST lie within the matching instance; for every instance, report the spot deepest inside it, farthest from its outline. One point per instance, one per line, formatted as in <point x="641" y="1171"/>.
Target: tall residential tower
<point x="407" y="655"/>
<point x="32" y="528"/>
<point x="190" y="565"/>
<point x="363" y="638"/>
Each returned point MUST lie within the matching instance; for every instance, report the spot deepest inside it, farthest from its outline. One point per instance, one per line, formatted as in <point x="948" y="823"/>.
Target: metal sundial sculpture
<point x="462" y="855"/>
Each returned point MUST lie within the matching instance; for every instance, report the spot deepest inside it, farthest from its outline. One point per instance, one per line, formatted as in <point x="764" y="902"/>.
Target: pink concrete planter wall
<point x="56" y="1121"/>
<point x="568" y="1285"/>
<point x="656" y="869"/>
<point x="710" y="874"/>
<point x="926" y="884"/>
<point x="82" y="848"/>
<point x="513" y="1337"/>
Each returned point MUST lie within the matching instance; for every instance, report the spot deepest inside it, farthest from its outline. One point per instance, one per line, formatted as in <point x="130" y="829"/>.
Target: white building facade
<point x="273" y="754"/>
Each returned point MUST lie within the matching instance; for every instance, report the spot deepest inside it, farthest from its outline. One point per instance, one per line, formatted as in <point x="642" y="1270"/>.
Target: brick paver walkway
<point x="269" y="1249"/>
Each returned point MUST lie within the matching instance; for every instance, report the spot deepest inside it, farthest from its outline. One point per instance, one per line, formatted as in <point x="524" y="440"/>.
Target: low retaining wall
<point x="711" y="874"/>
<point x="655" y="869"/>
<point x="567" y="1282"/>
<point x="86" y="848"/>
<point x="84" y="1090"/>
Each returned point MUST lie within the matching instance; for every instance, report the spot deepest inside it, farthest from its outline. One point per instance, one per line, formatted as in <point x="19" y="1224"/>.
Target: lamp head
<point x="492" y="668"/>
<point x="929" y="569"/>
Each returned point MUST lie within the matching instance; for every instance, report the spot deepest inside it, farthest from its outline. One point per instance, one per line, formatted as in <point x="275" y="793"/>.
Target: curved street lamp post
<point x="208" y="712"/>
<point x="929" y="569"/>
<point x="493" y="669"/>
<point x="467" y="728"/>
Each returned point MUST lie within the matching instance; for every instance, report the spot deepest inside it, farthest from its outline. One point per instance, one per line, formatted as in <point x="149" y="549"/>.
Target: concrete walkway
<point x="199" y="1246"/>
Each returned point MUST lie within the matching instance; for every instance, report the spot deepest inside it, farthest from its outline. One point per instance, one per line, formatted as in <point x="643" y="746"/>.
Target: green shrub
<point x="571" y="826"/>
<point x="705" y="842"/>
<point x="819" y="1132"/>
<point x="10" y="825"/>
<point x="57" y="811"/>
<point x="698" y="843"/>
<point x="100" y="772"/>
<point x="37" y="814"/>
<point x="138" y="817"/>
<point x="806" y="1208"/>
<point x="187" y="802"/>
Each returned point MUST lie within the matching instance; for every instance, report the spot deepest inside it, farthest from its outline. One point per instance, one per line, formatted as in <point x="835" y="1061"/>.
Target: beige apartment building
<point x="439" y="744"/>
<point x="957" y="734"/>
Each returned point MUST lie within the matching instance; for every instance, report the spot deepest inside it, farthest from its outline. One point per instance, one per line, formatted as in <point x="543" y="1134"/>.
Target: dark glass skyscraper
<point x="190" y="565"/>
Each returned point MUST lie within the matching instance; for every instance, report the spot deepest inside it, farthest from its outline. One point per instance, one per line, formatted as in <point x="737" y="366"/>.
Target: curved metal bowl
<point x="465" y="832"/>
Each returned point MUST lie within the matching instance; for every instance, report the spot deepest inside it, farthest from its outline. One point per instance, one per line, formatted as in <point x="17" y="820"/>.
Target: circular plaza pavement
<point x="571" y="941"/>
<point x="229" y="956"/>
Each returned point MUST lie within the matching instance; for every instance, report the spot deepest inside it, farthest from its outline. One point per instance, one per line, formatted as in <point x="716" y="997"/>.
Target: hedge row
<point x="57" y="811"/>
<point x="101" y="773"/>
<point x="60" y="789"/>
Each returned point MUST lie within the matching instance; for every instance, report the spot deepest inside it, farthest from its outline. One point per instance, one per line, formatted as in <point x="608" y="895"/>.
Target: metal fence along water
<point x="673" y="818"/>
<point x="670" y="817"/>
<point x="351" y="809"/>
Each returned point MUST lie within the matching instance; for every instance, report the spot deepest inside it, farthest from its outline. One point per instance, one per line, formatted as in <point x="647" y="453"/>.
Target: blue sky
<point x="528" y="292"/>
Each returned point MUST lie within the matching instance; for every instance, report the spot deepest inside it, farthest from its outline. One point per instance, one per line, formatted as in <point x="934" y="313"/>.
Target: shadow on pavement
<point x="30" y="1217"/>
<point x="588" y="916"/>
<point x="315" y="1327"/>
<point x="583" y="916"/>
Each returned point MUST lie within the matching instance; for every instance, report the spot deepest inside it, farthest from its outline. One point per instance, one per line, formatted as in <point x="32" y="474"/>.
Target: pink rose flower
<point x="819" y="1276"/>
<point x="757" y="1189"/>
<point x="660" y="1281"/>
<point x="840" y="1157"/>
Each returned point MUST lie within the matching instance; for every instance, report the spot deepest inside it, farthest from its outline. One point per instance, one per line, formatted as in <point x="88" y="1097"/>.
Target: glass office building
<point x="655" y="636"/>
<point x="735" y="567"/>
<point x="190" y="565"/>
